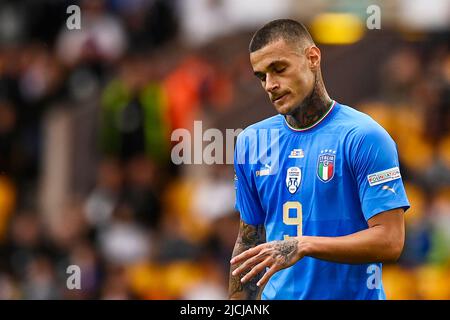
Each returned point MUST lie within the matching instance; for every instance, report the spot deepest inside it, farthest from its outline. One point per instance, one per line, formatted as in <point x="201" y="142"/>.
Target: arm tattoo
<point x="249" y="236"/>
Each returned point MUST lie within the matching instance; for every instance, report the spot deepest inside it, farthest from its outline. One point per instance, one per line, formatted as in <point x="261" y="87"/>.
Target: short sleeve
<point x="247" y="199"/>
<point x="374" y="161"/>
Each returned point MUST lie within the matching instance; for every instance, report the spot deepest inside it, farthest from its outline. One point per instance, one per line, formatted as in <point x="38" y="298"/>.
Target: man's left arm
<point x="381" y="242"/>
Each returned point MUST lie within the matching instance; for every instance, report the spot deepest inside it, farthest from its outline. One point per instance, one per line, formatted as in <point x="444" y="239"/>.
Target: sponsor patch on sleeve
<point x="384" y="176"/>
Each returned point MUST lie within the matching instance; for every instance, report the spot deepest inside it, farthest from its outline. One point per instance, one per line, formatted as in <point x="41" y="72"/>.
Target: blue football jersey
<point x="327" y="180"/>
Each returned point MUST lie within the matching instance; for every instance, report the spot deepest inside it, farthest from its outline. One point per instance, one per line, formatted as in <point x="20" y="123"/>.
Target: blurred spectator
<point x="123" y="241"/>
<point x="142" y="192"/>
<point x="116" y="284"/>
<point x="39" y="282"/>
<point x="8" y="288"/>
<point x="133" y="119"/>
<point x="101" y="36"/>
<point x="401" y="71"/>
<point x="104" y="198"/>
<point x="216" y="185"/>
<point x="149" y="23"/>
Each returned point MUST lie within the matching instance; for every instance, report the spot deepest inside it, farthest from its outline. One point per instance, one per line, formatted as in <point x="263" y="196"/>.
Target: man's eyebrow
<point x="271" y="66"/>
<point x="276" y="62"/>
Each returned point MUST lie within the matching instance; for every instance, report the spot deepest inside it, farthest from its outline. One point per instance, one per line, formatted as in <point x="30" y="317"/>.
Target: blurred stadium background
<point x="86" y="117"/>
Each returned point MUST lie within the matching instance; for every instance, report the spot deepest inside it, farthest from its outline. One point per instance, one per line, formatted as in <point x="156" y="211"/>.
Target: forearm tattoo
<point x="249" y="236"/>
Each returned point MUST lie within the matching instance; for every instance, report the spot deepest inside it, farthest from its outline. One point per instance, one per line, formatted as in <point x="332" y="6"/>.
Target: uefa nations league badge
<point x="293" y="177"/>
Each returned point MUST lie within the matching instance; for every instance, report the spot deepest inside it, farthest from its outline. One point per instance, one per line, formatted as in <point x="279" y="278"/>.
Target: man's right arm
<point x="248" y="237"/>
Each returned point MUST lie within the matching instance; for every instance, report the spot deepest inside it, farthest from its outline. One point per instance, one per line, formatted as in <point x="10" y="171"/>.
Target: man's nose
<point x="271" y="84"/>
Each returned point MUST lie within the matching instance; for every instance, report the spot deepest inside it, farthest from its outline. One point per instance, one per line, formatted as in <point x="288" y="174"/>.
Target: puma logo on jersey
<point x="263" y="172"/>
<point x="390" y="189"/>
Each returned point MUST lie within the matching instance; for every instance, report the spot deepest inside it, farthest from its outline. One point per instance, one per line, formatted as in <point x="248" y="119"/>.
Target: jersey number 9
<point x="293" y="221"/>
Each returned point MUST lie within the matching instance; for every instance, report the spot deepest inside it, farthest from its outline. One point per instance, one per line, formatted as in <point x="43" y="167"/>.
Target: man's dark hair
<point x="286" y="29"/>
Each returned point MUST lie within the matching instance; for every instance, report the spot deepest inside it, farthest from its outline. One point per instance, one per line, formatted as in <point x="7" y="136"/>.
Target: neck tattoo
<point x="310" y="115"/>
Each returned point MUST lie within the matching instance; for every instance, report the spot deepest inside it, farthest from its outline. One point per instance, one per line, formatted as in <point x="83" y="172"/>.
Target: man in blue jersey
<point x="318" y="186"/>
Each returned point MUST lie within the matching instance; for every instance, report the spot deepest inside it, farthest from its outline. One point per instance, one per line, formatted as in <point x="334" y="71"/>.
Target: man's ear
<point x="313" y="55"/>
